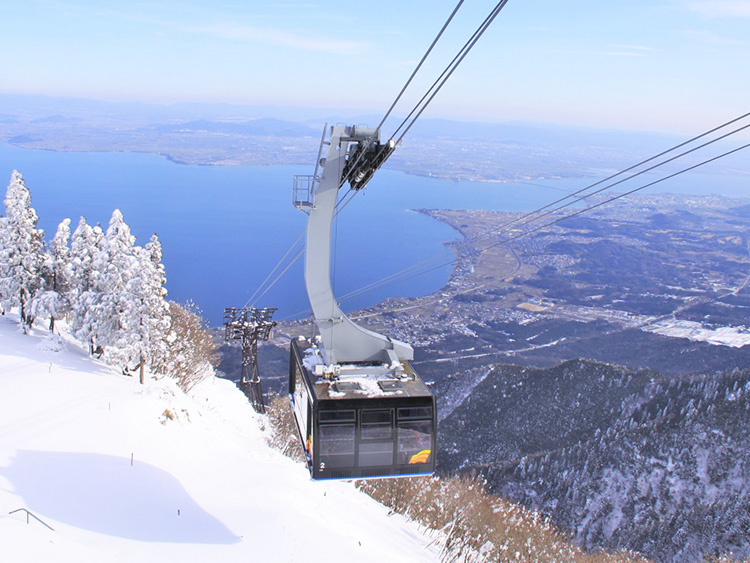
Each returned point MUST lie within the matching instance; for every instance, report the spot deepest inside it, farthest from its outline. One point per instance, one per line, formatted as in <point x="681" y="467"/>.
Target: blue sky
<point x="665" y="65"/>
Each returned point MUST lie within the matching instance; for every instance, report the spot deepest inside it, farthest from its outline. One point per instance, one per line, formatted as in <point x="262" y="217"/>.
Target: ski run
<point x="116" y="471"/>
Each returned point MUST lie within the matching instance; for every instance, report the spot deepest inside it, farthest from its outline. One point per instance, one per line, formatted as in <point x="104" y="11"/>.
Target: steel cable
<point x="529" y="217"/>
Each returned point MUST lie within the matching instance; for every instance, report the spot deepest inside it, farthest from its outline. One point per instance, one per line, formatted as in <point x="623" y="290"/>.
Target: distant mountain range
<point x="266" y="127"/>
<point x="224" y="134"/>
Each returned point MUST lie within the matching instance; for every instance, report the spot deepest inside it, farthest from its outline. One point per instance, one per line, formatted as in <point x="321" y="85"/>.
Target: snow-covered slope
<point x="124" y="472"/>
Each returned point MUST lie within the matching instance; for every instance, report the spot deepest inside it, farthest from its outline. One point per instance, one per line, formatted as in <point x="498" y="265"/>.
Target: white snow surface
<point x="732" y="336"/>
<point x="203" y="486"/>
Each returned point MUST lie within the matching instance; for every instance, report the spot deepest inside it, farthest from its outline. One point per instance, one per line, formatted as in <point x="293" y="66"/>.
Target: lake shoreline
<point x="457" y="178"/>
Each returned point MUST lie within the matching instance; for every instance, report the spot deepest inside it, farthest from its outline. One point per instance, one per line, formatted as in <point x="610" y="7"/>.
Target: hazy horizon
<point x="671" y="66"/>
<point x="229" y="112"/>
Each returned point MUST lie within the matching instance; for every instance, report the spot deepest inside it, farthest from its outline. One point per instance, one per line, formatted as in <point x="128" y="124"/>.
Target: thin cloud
<point x="609" y="51"/>
<point x="626" y="54"/>
<point x="266" y="35"/>
<point x="400" y="63"/>
<point x="710" y="38"/>
<point x="619" y="50"/>
<point x="643" y="49"/>
<point x="719" y="8"/>
<point x="278" y="38"/>
<point x="293" y="6"/>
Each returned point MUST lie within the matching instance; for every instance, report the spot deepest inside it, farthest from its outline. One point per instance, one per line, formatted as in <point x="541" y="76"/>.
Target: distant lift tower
<point x="249" y="325"/>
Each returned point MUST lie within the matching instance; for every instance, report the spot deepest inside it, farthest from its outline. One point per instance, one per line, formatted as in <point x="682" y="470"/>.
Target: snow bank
<point x="124" y="472"/>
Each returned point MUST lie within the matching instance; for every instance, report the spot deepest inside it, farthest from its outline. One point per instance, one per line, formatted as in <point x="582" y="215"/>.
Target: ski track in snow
<point x="202" y="487"/>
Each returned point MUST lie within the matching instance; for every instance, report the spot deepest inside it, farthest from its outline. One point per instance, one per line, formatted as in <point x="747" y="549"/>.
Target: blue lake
<point x="223" y="228"/>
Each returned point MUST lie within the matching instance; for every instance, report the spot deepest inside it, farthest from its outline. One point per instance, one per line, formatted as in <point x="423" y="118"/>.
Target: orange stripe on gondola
<point x="421" y="457"/>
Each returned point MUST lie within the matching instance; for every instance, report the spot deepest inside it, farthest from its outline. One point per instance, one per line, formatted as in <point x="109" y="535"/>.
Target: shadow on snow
<point x="105" y="494"/>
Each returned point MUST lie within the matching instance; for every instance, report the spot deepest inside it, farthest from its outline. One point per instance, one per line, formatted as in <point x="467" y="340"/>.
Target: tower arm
<point x="354" y="154"/>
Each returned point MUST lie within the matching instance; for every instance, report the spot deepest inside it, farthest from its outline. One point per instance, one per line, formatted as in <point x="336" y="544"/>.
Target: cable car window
<point x="373" y="416"/>
<point x="415" y="412"/>
<point x="414" y="442"/>
<point x="376" y="453"/>
<point x="337" y="445"/>
<point x="337" y="416"/>
<point x="377" y="432"/>
<point x="377" y="424"/>
<point x="301" y="407"/>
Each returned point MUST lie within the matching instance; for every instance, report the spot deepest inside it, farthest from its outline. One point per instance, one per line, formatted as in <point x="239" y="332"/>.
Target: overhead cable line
<point x="278" y="264"/>
<point x="381" y="285"/>
<point x="416" y="112"/>
<point x="646" y="161"/>
<point x="436" y="86"/>
<point x="535" y="215"/>
<point x="419" y="268"/>
<point x="547" y="210"/>
<point x="393" y="105"/>
<point x="419" y="66"/>
<point x="552" y="223"/>
<point x="532" y="216"/>
<point x="425" y="101"/>
<point x="624" y="194"/>
<point x="284" y="271"/>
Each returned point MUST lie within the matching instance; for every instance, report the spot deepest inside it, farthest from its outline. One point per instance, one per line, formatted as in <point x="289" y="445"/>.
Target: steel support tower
<point x="249" y="325"/>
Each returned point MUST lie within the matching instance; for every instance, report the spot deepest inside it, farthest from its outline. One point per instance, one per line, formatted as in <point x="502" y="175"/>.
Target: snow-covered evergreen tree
<point x="149" y="320"/>
<point x="22" y="251"/>
<point x="117" y="266"/>
<point x="54" y="300"/>
<point x="3" y="260"/>
<point x="113" y="290"/>
<point x="84" y="290"/>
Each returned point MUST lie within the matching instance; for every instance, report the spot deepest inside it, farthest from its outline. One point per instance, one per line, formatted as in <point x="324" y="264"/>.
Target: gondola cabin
<point x="364" y="423"/>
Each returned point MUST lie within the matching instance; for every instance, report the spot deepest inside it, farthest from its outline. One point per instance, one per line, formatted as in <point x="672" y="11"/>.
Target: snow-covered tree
<point x="84" y="246"/>
<point x="22" y="251"/>
<point x="117" y="266"/>
<point x="54" y="300"/>
<point x="132" y="315"/>
<point x="118" y="296"/>
<point x="84" y="291"/>
<point x="149" y="320"/>
<point x="3" y="245"/>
